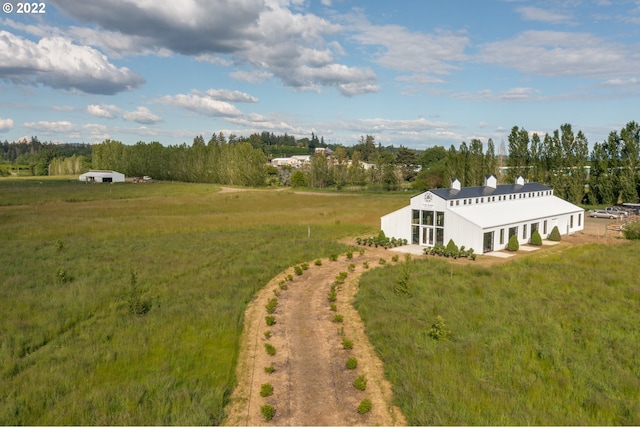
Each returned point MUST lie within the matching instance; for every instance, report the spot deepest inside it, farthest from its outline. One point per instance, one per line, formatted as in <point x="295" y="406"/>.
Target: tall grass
<point x="71" y="352"/>
<point x="551" y="339"/>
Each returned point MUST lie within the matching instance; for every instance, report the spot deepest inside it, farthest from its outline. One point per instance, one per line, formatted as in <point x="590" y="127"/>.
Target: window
<point x="544" y="227"/>
<point x="451" y="203"/>
<point x="524" y="232"/>
<point x="415" y="216"/>
<point x="439" y="219"/>
<point x="465" y="201"/>
<point x="579" y="220"/>
<point x="440" y="236"/>
<point x="513" y="231"/>
<point x="427" y="217"/>
<point x="457" y="202"/>
<point x="571" y="221"/>
<point x="502" y="236"/>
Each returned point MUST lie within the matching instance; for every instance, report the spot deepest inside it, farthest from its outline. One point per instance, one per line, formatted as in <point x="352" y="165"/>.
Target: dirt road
<point x="311" y="384"/>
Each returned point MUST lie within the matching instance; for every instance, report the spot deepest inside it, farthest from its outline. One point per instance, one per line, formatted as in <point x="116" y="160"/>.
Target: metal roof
<point x="471" y="192"/>
<point x="495" y="214"/>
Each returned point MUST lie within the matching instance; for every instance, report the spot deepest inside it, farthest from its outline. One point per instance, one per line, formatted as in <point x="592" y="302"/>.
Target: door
<point x="487" y="245"/>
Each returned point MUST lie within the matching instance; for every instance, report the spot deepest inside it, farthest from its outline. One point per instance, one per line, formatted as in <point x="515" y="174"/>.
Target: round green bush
<point x="536" y="239"/>
<point x="631" y="231"/>
<point x="555" y="234"/>
<point x="513" y="244"/>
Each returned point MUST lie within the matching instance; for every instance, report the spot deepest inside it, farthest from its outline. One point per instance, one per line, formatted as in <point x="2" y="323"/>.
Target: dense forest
<point x="606" y="174"/>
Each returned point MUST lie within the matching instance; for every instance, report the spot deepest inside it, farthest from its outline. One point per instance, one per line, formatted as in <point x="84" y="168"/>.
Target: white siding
<point x="397" y="224"/>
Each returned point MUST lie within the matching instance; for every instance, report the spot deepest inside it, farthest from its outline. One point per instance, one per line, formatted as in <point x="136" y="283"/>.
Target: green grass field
<point x="71" y="352"/>
<point x="551" y="339"/>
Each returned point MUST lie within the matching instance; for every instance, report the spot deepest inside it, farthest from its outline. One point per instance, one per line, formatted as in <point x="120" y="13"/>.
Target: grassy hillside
<point x="71" y="352"/>
<point x="552" y="339"/>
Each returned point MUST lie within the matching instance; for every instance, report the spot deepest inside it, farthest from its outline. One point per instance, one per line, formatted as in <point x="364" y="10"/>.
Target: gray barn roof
<point x="472" y="192"/>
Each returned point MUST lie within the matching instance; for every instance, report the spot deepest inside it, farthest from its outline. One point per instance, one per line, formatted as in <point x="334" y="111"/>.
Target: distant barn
<point x="102" y="176"/>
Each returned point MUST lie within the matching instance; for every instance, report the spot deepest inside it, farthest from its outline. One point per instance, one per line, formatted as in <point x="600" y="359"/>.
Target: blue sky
<point x="416" y="73"/>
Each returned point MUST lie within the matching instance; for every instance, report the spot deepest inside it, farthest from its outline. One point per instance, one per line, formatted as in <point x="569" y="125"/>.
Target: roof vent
<point x="490" y="181"/>
<point x="519" y="180"/>
<point x="455" y="184"/>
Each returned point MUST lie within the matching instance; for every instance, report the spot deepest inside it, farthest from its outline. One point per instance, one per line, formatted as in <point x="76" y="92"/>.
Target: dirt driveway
<point x="310" y="381"/>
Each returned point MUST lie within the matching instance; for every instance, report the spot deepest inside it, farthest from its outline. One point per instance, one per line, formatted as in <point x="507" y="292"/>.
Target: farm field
<point x="550" y="338"/>
<point x="79" y="259"/>
<point x="546" y="338"/>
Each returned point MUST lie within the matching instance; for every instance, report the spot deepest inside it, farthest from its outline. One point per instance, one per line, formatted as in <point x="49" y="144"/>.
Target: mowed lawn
<point x="71" y="352"/>
<point x="552" y="338"/>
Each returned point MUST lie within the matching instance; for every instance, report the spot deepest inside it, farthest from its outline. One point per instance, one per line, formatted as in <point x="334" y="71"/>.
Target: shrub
<point x="536" y="239"/>
<point x="63" y="276"/>
<point x="269" y="369"/>
<point x="555" y="235"/>
<point x="318" y="262"/>
<point x="267" y="334"/>
<point x="360" y="383"/>
<point x="338" y="318"/>
<point x="364" y="406"/>
<point x="332" y="296"/>
<point x="349" y="255"/>
<point x="298" y="270"/>
<point x="452" y="248"/>
<point x="266" y="390"/>
<point x="382" y="261"/>
<point x="352" y="363"/>
<point x="347" y="344"/>
<point x="513" y="244"/>
<point x="305" y="266"/>
<point x="271" y="305"/>
<point x="631" y="230"/>
<point x="439" y="330"/>
<point x="395" y="258"/>
<point x="352" y="267"/>
<point x="271" y="320"/>
<point x="268" y="411"/>
<point x="333" y="307"/>
<point x="271" y="350"/>
<point x="365" y="264"/>
<point x="333" y="257"/>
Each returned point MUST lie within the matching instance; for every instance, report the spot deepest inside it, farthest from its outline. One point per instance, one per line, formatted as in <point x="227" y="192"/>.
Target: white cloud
<point x="6" y="124"/>
<point x="231" y="95"/>
<point x="531" y="13"/>
<point x="423" y="54"/>
<point x="200" y="104"/>
<point x="562" y="54"/>
<point x="141" y="115"/>
<point x="60" y="64"/>
<point x="255" y="76"/>
<point x="267" y="35"/>
<point x="103" y="111"/>
<point x="70" y="131"/>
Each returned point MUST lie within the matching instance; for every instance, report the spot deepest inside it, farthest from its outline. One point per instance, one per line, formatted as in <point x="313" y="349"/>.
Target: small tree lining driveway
<point x="311" y="384"/>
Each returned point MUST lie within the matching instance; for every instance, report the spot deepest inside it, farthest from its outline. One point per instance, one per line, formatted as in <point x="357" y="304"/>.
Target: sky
<point x="413" y="73"/>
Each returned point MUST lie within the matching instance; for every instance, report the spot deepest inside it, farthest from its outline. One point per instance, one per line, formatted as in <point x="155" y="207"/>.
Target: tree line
<point x="606" y="174"/>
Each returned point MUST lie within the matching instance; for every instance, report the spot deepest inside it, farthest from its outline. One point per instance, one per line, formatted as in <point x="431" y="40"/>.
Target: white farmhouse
<point x="483" y="218"/>
<point x="102" y="176"/>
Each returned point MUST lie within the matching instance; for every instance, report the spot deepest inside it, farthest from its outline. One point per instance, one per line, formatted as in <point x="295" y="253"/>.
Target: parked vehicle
<point x="601" y="213"/>
<point x="617" y="211"/>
